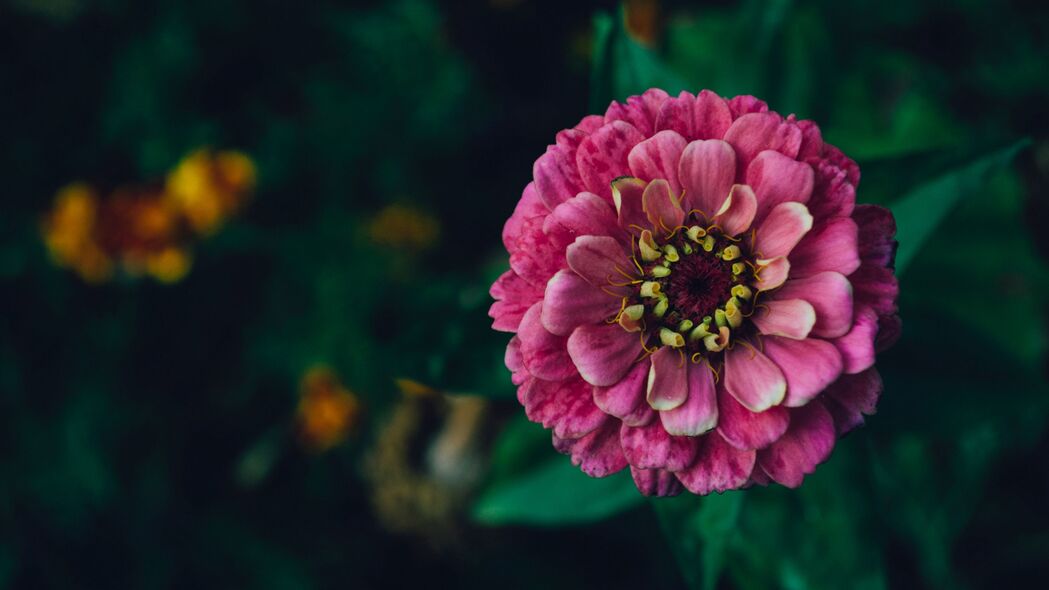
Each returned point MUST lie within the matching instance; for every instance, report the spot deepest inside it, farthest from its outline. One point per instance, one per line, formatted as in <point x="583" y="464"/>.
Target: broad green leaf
<point x="556" y="493"/>
<point x="920" y="211"/>
<point x="698" y="531"/>
<point x="622" y="67"/>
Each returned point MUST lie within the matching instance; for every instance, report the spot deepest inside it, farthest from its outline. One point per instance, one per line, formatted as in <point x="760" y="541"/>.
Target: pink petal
<point x="754" y="133"/>
<point x="745" y="103"/>
<point x="737" y="212"/>
<point x="753" y="379"/>
<point x="623" y="397"/>
<point x="545" y="354"/>
<point x="809" y="365"/>
<point x="556" y="175"/>
<point x="650" y="447"/>
<point x="833" y="195"/>
<point x="565" y="406"/>
<point x="773" y="273"/>
<point x="711" y="116"/>
<point x="748" y="430"/>
<point x="676" y="114"/>
<point x="793" y="318"/>
<point x="599" y="453"/>
<point x="656" y="482"/>
<point x="514" y="296"/>
<point x="877" y="229"/>
<point x="515" y="362"/>
<point x="627" y="195"/>
<point x="829" y="246"/>
<point x="718" y="467"/>
<point x="776" y="179"/>
<point x="699" y="413"/>
<point x="852" y="397"/>
<point x="811" y="140"/>
<point x="639" y="111"/>
<point x="583" y="215"/>
<point x="590" y="123"/>
<point x="707" y="172"/>
<point x="602" y="261"/>
<point x="889" y="331"/>
<point x="570" y="302"/>
<point x="807" y="443"/>
<point x="658" y="157"/>
<point x="830" y="294"/>
<point x="537" y="257"/>
<point x="784" y="227"/>
<point x="876" y="287"/>
<point x="530" y="206"/>
<point x="857" y="347"/>
<point x="661" y="207"/>
<point x="667" y="380"/>
<point x="603" y="353"/>
<point x="602" y="156"/>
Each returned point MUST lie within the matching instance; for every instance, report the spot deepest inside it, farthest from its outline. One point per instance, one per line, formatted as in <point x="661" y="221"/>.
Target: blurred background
<point x="245" y="249"/>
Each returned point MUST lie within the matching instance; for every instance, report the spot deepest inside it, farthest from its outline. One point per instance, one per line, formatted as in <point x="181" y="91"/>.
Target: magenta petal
<point x="748" y="430"/>
<point x="811" y="140"/>
<point x="513" y="297"/>
<point x="875" y="287"/>
<point x="807" y="443"/>
<point x="857" y="347"/>
<point x="590" y="123"/>
<point x="565" y="406"/>
<point x="658" y="157"/>
<point x="711" y="116"/>
<point x="650" y="447"/>
<point x="602" y="156"/>
<point x="603" y="353"/>
<point x="809" y="366"/>
<point x="628" y="197"/>
<point x="529" y="207"/>
<point x="754" y="133"/>
<point x="776" y="179"/>
<point x="852" y="397"/>
<point x="557" y="177"/>
<point x="793" y="318"/>
<point x="667" y="380"/>
<point x="583" y="215"/>
<point x="877" y="229"/>
<point x="737" y="212"/>
<point x="515" y="362"/>
<point x="833" y="195"/>
<point x="676" y="114"/>
<point x="661" y="206"/>
<point x="782" y="229"/>
<point x="656" y="482"/>
<point x="601" y="261"/>
<point x="830" y="294"/>
<point x="639" y="111"/>
<point x="707" y="173"/>
<point x="753" y="379"/>
<point x="772" y="273"/>
<point x="599" y="453"/>
<point x="623" y="398"/>
<point x="545" y="354"/>
<point x="571" y="301"/>
<point x="829" y="246"/>
<point x="699" y="413"/>
<point x="718" y="467"/>
<point x="744" y="104"/>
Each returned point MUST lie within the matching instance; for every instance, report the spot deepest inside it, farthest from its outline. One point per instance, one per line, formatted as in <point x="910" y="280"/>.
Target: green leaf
<point x="920" y="211"/>
<point x="622" y="67"/>
<point x="699" y="526"/>
<point x="556" y="493"/>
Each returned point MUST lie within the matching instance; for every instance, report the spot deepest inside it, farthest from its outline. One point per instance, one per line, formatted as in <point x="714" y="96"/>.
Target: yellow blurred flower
<point x="69" y="232"/>
<point x="327" y="410"/>
<point x="208" y="187"/>
<point x="403" y="227"/>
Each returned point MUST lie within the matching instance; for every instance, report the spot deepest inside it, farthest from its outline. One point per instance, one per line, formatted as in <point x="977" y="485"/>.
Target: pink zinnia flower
<point x="695" y="294"/>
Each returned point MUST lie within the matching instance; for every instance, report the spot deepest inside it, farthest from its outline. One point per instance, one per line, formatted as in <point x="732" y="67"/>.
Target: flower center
<point x="696" y="291"/>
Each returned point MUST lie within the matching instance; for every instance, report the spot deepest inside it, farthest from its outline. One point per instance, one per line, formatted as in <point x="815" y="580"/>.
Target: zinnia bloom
<point x="695" y="294"/>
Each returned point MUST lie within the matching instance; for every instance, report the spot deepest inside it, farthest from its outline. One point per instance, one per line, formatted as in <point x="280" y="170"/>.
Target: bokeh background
<point x="245" y="248"/>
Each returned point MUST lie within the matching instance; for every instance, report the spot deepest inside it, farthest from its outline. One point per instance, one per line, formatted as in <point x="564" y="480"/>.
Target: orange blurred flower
<point x="404" y="228"/>
<point x="69" y="233"/>
<point x="207" y="187"/>
<point x="327" y="410"/>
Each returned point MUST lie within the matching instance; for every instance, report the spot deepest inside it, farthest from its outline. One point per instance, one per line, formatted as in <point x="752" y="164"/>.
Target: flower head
<point x="695" y="294"/>
<point x="327" y="410"/>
